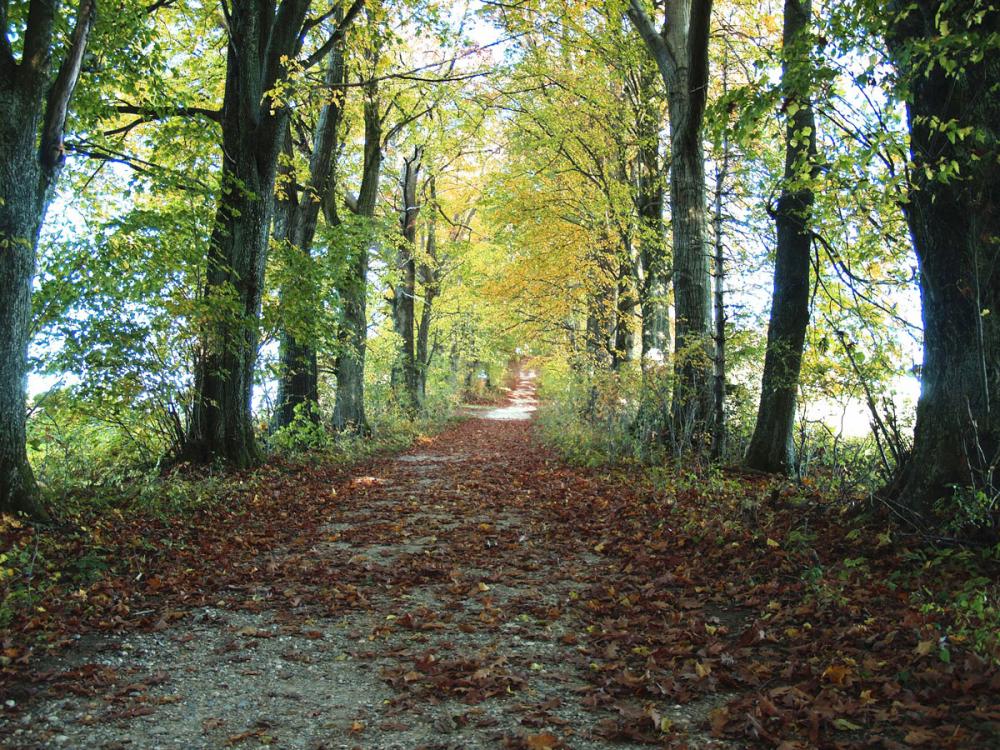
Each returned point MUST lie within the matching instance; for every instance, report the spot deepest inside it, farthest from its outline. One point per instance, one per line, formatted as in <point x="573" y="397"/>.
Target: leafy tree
<point x="298" y="214"/>
<point x="264" y="45"/>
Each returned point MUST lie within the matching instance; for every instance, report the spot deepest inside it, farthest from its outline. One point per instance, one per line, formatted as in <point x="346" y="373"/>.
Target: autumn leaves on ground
<point x="474" y="592"/>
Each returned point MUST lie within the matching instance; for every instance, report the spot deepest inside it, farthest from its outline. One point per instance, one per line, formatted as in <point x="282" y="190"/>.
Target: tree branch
<point x="38" y="36"/>
<point x="149" y="114"/>
<point x="698" y="40"/>
<point x="286" y="28"/>
<point x="336" y="36"/>
<point x="658" y="48"/>
<point x="51" y="148"/>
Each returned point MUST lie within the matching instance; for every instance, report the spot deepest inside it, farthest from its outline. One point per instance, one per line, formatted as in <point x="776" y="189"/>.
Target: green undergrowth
<point x="843" y="557"/>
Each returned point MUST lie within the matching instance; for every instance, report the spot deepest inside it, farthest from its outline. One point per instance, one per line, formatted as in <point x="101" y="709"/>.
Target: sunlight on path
<point x="522" y="402"/>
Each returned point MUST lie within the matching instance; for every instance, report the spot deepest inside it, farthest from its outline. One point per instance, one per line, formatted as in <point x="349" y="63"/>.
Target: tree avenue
<point x="726" y="231"/>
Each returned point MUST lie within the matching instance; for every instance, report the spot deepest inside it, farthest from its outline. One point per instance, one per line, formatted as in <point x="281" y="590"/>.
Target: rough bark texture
<point x="680" y="50"/>
<point x="349" y="407"/>
<point x="33" y="110"/>
<point x="772" y="447"/>
<point x="253" y="127"/>
<point x="295" y="224"/>
<point x="956" y="234"/>
<point x="263" y="38"/>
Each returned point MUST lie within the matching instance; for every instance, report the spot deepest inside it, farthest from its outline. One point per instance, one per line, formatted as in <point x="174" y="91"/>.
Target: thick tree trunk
<point x="772" y="447"/>
<point x="349" y="407"/>
<point x="33" y="111"/>
<point x="298" y="381"/>
<point x="261" y="40"/>
<point x="955" y="223"/>
<point x="692" y="397"/>
<point x="21" y="212"/>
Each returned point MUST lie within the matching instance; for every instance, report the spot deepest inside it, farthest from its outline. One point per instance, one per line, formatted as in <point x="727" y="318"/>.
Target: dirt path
<point x="439" y="607"/>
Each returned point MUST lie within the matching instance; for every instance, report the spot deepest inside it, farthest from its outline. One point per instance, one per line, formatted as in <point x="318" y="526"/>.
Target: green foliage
<point x="960" y="588"/>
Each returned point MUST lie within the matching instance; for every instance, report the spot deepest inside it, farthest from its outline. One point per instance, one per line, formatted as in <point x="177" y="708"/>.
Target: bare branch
<point x="150" y="114"/>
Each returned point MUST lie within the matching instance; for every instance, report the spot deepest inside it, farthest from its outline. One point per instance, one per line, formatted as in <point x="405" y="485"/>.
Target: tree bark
<point x="263" y="40"/>
<point x="430" y="279"/>
<point x="253" y="126"/>
<point x="649" y="207"/>
<point x="349" y="407"/>
<point x="405" y="377"/>
<point x="295" y="224"/>
<point x="772" y="447"/>
<point x="680" y="51"/>
<point x="33" y="111"/>
<point x="955" y="224"/>
<point x="719" y="300"/>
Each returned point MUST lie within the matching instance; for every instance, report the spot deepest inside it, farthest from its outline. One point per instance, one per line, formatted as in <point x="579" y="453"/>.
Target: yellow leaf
<point x="837" y="673"/>
<point x="544" y="741"/>
<point x="772" y="543"/>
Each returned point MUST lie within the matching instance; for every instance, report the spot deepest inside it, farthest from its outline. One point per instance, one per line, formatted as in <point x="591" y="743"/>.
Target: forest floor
<point x="477" y="592"/>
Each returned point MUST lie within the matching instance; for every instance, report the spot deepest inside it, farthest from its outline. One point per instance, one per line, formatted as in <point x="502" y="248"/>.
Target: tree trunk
<point x="430" y="279"/>
<point x="22" y="209"/>
<point x="349" y="407"/>
<point x="719" y="292"/>
<point x="298" y="381"/>
<point x="33" y="111"/>
<point x="680" y="51"/>
<point x="692" y="397"/>
<point x="405" y="377"/>
<point x="261" y="40"/>
<point x="772" y="447"/>
<point x="955" y="223"/>
<point x="652" y="250"/>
